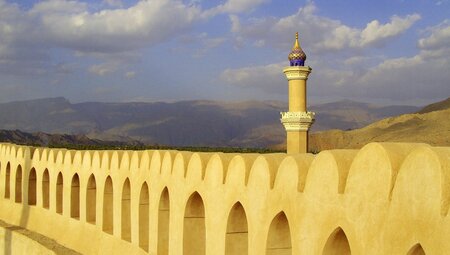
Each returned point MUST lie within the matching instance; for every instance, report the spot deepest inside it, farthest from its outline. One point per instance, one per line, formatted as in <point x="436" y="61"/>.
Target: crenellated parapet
<point x="386" y="198"/>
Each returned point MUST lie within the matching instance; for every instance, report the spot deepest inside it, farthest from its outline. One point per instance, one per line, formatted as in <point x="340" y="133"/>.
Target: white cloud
<point x="144" y="24"/>
<point x="59" y="7"/>
<point x="235" y="23"/>
<point x="441" y="2"/>
<point x="423" y="76"/>
<point x="28" y="36"/>
<point x="235" y="6"/>
<point x="439" y="37"/>
<point x="318" y="32"/>
<point x="199" y="44"/>
<point x="104" y="68"/>
<point x="353" y="73"/>
<point x="376" y="32"/>
<point x="266" y="77"/>
<point x="113" y="3"/>
<point x="130" y="74"/>
<point x="70" y="25"/>
<point x="207" y="44"/>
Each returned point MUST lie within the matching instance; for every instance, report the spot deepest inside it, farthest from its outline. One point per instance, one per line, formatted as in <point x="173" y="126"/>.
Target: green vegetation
<point x="161" y="147"/>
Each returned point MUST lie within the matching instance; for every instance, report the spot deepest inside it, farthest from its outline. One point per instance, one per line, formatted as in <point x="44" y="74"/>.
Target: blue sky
<point x="386" y="52"/>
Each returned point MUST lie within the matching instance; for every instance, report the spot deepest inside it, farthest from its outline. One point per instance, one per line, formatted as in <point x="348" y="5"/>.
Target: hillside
<point x="430" y="125"/>
<point x="348" y="114"/>
<point x="57" y="140"/>
<point x="184" y="123"/>
<point x="442" y="105"/>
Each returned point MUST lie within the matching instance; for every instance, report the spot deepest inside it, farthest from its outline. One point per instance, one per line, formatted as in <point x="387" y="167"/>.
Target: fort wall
<point x="385" y="198"/>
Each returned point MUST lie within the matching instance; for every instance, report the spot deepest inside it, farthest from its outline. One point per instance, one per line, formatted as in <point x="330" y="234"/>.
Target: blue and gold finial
<point x="297" y="57"/>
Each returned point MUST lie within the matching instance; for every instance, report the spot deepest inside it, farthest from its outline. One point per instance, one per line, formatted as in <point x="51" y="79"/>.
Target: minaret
<point x="297" y="120"/>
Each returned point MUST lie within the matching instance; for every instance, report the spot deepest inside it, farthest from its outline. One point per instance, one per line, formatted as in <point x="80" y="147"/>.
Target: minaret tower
<point x="297" y="120"/>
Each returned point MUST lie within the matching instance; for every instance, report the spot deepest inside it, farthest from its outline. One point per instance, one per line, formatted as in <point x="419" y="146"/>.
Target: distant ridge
<point x="249" y="124"/>
<point x="58" y="140"/>
<point x="430" y="125"/>
<point x="442" y="105"/>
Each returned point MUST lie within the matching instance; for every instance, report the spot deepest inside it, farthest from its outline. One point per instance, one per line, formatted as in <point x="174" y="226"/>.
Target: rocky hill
<point x="429" y="125"/>
<point x="58" y="140"/>
<point x="442" y="105"/>
<point x="184" y="123"/>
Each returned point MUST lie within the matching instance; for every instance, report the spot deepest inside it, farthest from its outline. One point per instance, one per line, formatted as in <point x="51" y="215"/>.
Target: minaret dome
<point x="297" y="57"/>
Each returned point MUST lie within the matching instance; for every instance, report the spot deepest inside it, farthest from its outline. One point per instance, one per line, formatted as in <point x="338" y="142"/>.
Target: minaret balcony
<point x="297" y="121"/>
<point x="297" y="72"/>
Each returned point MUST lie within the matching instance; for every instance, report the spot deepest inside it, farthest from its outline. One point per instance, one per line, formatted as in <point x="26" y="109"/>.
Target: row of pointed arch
<point x="194" y="237"/>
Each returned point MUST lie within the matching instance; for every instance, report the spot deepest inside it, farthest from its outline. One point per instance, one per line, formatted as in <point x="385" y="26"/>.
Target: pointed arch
<point x="194" y="226"/>
<point x="237" y="231"/>
<point x="75" y="197"/>
<point x="32" y="187"/>
<point x="337" y="243"/>
<point x="108" y="206"/>
<point x="416" y="250"/>
<point x="126" y="211"/>
<point x="59" y="193"/>
<point x="8" y="181"/>
<point x="279" y="238"/>
<point x="163" y="222"/>
<point x="18" y="189"/>
<point x="144" y="217"/>
<point x="46" y="189"/>
<point x="91" y="200"/>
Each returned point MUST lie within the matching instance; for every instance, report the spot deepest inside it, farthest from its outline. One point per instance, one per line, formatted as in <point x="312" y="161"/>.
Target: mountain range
<point x="183" y="123"/>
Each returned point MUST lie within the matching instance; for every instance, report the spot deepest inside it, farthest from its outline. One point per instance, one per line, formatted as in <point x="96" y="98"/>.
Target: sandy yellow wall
<point x="12" y="242"/>
<point x="383" y="199"/>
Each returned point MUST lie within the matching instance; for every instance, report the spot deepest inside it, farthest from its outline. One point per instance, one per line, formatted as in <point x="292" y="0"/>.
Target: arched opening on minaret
<point x="91" y="200"/>
<point x="46" y="189"/>
<point x="126" y="211"/>
<point x="18" y="189"/>
<point x="163" y="222"/>
<point x="279" y="238"/>
<point x="32" y="187"/>
<point x="194" y="226"/>
<point x="416" y="250"/>
<point x="108" y="206"/>
<point x="144" y="217"/>
<point x="237" y="231"/>
<point x="8" y="181"/>
<point x="75" y="197"/>
<point x="337" y="244"/>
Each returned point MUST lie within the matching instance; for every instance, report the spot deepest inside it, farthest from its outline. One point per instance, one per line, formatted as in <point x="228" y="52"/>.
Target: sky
<point x="383" y="52"/>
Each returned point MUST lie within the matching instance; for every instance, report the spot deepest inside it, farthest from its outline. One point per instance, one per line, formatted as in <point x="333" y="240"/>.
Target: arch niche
<point x="237" y="231"/>
<point x="75" y="197"/>
<point x="194" y="226"/>
<point x="144" y="217"/>
<point x="46" y="189"/>
<point x="126" y="211"/>
<point x="59" y="193"/>
<point x="416" y="250"/>
<point x="279" y="238"/>
<point x="18" y="188"/>
<point x="163" y="223"/>
<point x="337" y="243"/>
<point x="32" y="187"/>
<point x="91" y="200"/>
